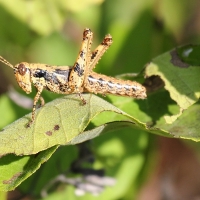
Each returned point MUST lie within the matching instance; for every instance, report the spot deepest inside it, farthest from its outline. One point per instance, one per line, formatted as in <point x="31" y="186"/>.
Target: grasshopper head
<point x="23" y="76"/>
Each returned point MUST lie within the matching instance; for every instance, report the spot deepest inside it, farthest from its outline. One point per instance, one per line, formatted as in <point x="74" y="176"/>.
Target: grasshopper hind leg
<point x="99" y="51"/>
<point x="80" y="68"/>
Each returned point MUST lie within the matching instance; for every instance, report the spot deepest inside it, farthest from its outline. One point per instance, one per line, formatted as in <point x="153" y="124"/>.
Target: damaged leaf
<point x="181" y="79"/>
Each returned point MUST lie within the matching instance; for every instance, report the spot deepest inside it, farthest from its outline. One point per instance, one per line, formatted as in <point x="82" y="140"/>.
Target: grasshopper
<point x="76" y="79"/>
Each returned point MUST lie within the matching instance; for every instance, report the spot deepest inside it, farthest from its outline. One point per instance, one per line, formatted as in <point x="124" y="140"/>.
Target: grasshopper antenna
<point x="6" y="62"/>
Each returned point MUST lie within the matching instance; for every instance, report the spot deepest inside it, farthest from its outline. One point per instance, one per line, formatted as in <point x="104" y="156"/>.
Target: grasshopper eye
<point x="21" y="69"/>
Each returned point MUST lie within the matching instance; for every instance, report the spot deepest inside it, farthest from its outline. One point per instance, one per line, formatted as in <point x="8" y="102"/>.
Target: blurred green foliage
<point x="51" y="31"/>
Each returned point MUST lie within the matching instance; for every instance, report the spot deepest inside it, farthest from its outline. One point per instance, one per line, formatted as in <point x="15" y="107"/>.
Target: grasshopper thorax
<point x="23" y="76"/>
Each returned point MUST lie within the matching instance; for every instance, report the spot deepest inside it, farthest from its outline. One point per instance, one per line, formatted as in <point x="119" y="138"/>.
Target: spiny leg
<point x="42" y="102"/>
<point x="82" y="99"/>
<point x="99" y="51"/>
<point x="36" y="98"/>
<point x="80" y="67"/>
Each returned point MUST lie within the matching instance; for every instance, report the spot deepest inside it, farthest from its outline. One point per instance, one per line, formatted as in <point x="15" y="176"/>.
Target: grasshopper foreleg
<point x="36" y="98"/>
<point x="42" y="102"/>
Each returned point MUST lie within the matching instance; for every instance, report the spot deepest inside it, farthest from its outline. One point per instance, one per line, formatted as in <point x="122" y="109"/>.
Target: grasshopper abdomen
<point x="102" y="84"/>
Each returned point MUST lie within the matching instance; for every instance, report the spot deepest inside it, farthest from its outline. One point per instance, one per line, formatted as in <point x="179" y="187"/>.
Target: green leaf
<point x="58" y="122"/>
<point x="64" y="120"/>
<point x="187" y="125"/>
<point x="105" y="128"/>
<point x="68" y="117"/>
<point x="15" y="169"/>
<point x="181" y="79"/>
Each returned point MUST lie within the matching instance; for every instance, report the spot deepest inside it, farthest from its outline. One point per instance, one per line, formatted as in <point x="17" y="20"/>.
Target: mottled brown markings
<point x="119" y="86"/>
<point x="62" y="88"/>
<point x="101" y="82"/>
<point x="110" y="85"/>
<point x="77" y="79"/>
<point x="134" y="89"/>
<point x="86" y="32"/>
<point x="82" y="54"/>
<point x="94" y="54"/>
<point x="56" y="127"/>
<point x="12" y="179"/>
<point x="78" y="70"/>
<point x="127" y="87"/>
<point x="89" y="80"/>
<point x="49" y="133"/>
<point x="107" y="40"/>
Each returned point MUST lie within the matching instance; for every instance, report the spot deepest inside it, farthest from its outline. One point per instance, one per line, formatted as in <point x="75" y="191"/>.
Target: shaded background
<point x="145" y="166"/>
